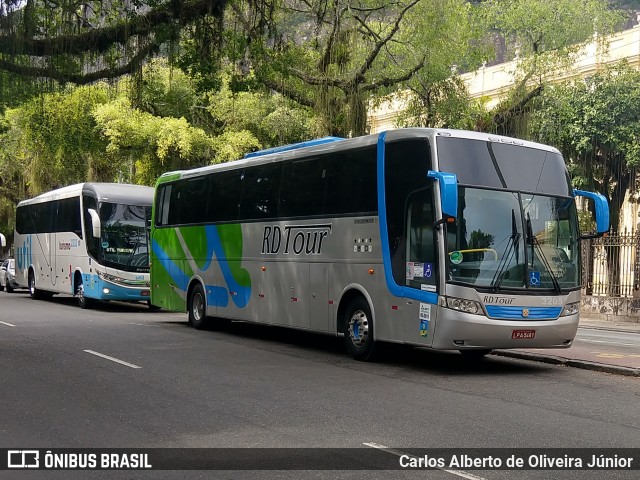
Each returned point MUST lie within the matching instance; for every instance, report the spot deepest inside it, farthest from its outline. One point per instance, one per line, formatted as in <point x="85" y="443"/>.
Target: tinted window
<point x="532" y="170"/>
<point x="193" y="202"/>
<point x="23" y="220"/>
<point x="162" y="205"/>
<point x="303" y="185"/>
<point x="68" y="217"/>
<point x="225" y="191"/>
<point x="470" y="160"/>
<point x="36" y="218"/>
<point x="261" y="191"/>
<point x="351" y="182"/>
<point x="188" y="202"/>
<point x="502" y="165"/>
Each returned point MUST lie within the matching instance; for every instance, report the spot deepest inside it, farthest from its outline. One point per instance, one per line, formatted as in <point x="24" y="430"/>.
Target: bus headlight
<point x="110" y="278"/>
<point x="570" y="309"/>
<point x="463" y="305"/>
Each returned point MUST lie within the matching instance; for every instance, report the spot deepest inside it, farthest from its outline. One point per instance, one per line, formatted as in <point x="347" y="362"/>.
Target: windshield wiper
<point x="533" y="241"/>
<point x="513" y="248"/>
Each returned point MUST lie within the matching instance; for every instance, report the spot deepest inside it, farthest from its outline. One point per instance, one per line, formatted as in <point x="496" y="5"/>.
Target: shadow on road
<point x="330" y="349"/>
<point x="104" y="306"/>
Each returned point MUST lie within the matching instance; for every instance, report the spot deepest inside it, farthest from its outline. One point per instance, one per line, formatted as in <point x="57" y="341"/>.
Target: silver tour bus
<point x="435" y="238"/>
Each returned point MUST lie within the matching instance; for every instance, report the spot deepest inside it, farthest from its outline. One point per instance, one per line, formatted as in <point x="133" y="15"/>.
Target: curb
<point x="614" y="328"/>
<point x="569" y="362"/>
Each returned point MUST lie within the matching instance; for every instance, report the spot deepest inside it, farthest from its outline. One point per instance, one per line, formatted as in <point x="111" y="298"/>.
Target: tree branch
<point x="82" y="78"/>
<point x="99" y="40"/>
<point x="295" y="96"/>
<point x="382" y="42"/>
<point x="387" y="82"/>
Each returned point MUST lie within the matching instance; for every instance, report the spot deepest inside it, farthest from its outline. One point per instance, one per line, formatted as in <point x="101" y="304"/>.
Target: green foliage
<point x="271" y="118"/>
<point x="233" y="145"/>
<point x="167" y="91"/>
<point x="596" y="124"/>
<point x="150" y="145"/>
<point x="54" y="139"/>
<point x="545" y="38"/>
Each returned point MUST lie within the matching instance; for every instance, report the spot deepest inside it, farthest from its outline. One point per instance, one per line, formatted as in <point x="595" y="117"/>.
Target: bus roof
<point x="112" y="192"/>
<point x="335" y="144"/>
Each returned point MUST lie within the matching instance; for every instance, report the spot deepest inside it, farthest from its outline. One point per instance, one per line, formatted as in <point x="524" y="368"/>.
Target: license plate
<point x="144" y="293"/>
<point x="523" y="334"/>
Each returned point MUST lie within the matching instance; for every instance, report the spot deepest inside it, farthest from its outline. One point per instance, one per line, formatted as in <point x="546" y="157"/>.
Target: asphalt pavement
<point x="604" y="346"/>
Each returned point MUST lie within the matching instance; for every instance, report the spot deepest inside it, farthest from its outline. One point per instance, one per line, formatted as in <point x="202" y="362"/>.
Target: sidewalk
<point x="593" y="349"/>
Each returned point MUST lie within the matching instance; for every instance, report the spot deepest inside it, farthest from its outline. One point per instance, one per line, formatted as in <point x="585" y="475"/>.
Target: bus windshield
<point x="505" y="239"/>
<point x="124" y="236"/>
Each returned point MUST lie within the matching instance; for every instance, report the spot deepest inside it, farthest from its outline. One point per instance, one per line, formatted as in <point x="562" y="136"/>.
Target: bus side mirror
<point x="448" y="192"/>
<point x="3" y="241"/>
<point x="95" y="223"/>
<point x="601" y="209"/>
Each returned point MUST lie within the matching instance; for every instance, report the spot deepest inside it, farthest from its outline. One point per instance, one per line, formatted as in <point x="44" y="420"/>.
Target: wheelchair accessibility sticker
<point x="534" y="279"/>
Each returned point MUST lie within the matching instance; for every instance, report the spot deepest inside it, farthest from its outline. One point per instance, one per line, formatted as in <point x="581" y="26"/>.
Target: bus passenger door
<point x="319" y="297"/>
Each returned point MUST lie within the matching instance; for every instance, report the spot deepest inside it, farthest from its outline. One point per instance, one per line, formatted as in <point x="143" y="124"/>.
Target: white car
<point x="8" y="275"/>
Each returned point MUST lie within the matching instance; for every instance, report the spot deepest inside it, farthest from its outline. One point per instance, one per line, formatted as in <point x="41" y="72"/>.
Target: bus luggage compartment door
<point x="319" y="297"/>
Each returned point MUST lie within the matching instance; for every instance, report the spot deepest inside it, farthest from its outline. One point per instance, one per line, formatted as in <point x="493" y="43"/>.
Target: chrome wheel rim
<point x="32" y="285"/>
<point x="197" y="307"/>
<point x="359" y="328"/>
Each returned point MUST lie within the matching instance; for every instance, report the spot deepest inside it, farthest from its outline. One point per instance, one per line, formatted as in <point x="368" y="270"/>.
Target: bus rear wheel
<point x="197" y="307"/>
<point x="358" y="335"/>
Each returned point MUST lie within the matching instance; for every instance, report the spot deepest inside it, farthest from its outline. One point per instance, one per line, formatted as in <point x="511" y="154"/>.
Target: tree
<point x="51" y="142"/>
<point x="596" y="124"/>
<point x="148" y="145"/>
<point x="450" y="33"/>
<point x="544" y="38"/>
<point x="332" y="55"/>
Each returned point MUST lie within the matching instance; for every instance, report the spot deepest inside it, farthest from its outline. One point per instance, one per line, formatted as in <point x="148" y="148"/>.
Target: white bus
<point x="437" y="238"/>
<point x="89" y="240"/>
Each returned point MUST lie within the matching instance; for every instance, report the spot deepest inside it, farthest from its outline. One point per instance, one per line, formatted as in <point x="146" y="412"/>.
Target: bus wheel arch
<point x="356" y="321"/>
<point x="196" y="304"/>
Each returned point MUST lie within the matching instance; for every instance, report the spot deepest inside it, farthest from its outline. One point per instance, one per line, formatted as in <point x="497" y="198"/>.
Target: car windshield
<point x="124" y="236"/>
<point x="504" y="239"/>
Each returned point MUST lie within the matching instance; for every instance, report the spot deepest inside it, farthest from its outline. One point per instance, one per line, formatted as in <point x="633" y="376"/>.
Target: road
<point x="69" y="379"/>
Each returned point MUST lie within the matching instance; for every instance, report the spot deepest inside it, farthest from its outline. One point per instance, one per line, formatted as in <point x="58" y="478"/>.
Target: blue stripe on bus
<point x="175" y="272"/>
<point x="217" y="296"/>
<point x="515" y="313"/>
<point x="242" y="293"/>
<point x="394" y="288"/>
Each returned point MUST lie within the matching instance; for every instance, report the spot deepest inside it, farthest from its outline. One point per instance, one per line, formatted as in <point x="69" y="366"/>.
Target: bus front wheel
<point x="358" y="335"/>
<point x="197" y="307"/>
<point x="83" y="301"/>
<point x="33" y="291"/>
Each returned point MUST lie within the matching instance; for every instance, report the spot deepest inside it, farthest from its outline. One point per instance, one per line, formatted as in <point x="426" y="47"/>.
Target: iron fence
<point x="609" y="265"/>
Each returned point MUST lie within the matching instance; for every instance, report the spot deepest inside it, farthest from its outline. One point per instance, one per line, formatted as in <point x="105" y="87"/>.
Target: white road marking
<point x="8" y="324"/>
<point x="112" y="359"/>
<point x="399" y="453"/>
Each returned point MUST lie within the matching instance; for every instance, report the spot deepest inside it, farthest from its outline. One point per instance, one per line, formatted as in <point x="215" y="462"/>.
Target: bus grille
<point x="516" y="313"/>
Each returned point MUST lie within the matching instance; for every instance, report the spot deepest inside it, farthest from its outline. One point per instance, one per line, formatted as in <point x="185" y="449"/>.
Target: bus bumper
<point x="102" y="290"/>
<point x="459" y="331"/>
